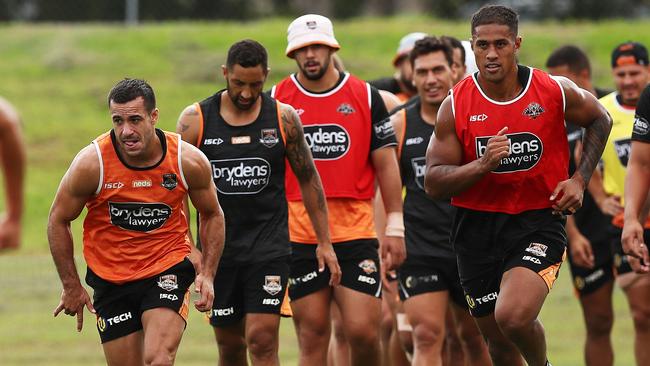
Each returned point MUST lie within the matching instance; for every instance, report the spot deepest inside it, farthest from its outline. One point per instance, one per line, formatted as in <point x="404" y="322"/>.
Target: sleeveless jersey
<point x="427" y="221"/>
<point x="248" y="168"/>
<point x="340" y="130"/>
<point x="538" y="158"/>
<point x="135" y="227"/>
<point x="336" y="126"/>
<point x="617" y="150"/>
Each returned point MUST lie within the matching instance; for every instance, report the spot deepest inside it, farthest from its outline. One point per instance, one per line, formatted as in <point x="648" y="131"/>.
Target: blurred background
<point x="58" y="60"/>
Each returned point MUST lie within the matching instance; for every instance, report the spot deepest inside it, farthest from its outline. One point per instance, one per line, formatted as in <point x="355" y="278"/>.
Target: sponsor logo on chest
<point x="241" y="176"/>
<point x="419" y="168"/>
<point x="525" y="152"/>
<point x="327" y="141"/>
<point x="623" y="148"/>
<point x="139" y="216"/>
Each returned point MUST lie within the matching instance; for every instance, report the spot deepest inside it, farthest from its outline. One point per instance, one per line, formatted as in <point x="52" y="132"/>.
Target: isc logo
<point x="478" y="117"/>
<point x="366" y="279"/>
<point x="274" y="302"/>
<point x="113" y="185"/>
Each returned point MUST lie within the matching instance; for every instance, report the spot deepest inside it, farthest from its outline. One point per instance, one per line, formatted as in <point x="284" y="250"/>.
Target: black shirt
<point x="248" y="168"/>
<point x="427" y="221"/>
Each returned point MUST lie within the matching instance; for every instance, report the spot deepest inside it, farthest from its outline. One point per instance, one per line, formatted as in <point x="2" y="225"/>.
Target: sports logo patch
<point x="419" y="168"/>
<point x="470" y="301"/>
<point x="345" y="109"/>
<point x="169" y="181"/>
<point x="384" y="129"/>
<point x="241" y="176"/>
<point x="168" y="282"/>
<point x="537" y="249"/>
<point x="641" y="126"/>
<point x="327" y="141"/>
<point x="526" y="151"/>
<point x="269" y="137"/>
<point x="311" y="24"/>
<point x="623" y="149"/>
<point x="368" y="266"/>
<point x="139" y="216"/>
<point x="101" y="324"/>
<point x="272" y="285"/>
<point x="533" y="110"/>
<point x="240" y="140"/>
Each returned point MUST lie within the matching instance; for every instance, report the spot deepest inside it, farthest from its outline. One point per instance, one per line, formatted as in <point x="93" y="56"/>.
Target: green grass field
<point x="58" y="76"/>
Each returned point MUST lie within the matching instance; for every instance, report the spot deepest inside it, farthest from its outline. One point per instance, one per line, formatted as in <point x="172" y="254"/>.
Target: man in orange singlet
<point x="133" y="181"/>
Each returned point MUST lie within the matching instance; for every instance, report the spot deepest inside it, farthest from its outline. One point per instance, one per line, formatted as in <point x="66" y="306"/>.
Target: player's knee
<point x="513" y="322"/>
<point x="262" y="343"/>
<point x="406" y="340"/>
<point x="599" y="325"/>
<point x="641" y="319"/>
<point x="428" y="336"/>
<point x="363" y="336"/>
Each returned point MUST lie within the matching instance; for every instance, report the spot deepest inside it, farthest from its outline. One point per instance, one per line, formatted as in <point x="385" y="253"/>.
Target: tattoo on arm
<point x="184" y="127"/>
<point x="299" y="154"/>
<point x="593" y="145"/>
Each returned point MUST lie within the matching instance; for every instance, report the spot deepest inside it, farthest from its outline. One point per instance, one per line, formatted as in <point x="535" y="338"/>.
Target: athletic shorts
<point x="621" y="263"/>
<point x="424" y="275"/>
<point x="588" y="280"/>
<point x="120" y="307"/>
<point x="253" y="288"/>
<point x="359" y="262"/>
<point x="488" y="244"/>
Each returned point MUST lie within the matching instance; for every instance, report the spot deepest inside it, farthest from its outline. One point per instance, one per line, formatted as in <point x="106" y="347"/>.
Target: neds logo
<point x="241" y="176"/>
<point x="327" y="142"/>
<point x="525" y="152"/>
<point x="419" y="167"/>
<point x="623" y="149"/>
<point x="139" y="216"/>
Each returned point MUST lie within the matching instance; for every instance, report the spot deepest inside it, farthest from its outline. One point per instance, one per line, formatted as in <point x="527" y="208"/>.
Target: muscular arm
<point x="302" y="164"/>
<point x="12" y="158"/>
<point x="445" y="176"/>
<point x="583" y="109"/>
<point x="203" y="195"/>
<point x="637" y="180"/>
<point x="77" y="186"/>
<point x="189" y="126"/>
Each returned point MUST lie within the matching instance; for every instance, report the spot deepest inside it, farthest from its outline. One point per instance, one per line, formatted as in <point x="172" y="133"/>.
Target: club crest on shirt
<point x="168" y="282"/>
<point x="533" y="110"/>
<point x="345" y="109"/>
<point x="169" y="181"/>
<point x="272" y="285"/>
<point x="269" y="137"/>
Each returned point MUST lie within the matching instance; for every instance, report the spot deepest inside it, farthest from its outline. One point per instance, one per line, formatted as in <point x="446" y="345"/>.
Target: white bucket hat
<point x="406" y="44"/>
<point x="310" y="29"/>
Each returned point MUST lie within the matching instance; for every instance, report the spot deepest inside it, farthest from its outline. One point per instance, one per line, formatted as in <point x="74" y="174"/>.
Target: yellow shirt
<point x="617" y="149"/>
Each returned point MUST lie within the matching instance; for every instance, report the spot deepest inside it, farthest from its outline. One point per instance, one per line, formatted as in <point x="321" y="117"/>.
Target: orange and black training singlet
<point x="135" y="227"/>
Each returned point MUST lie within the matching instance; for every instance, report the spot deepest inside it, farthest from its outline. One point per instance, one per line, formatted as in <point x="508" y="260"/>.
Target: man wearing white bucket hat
<point x="352" y="143"/>
<point x="401" y="83"/>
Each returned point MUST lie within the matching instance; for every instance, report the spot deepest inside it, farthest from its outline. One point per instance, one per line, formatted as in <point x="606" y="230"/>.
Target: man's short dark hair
<point x="496" y="14"/>
<point x="571" y="56"/>
<point x="455" y="44"/>
<point x="428" y="45"/>
<point x="127" y="90"/>
<point x="247" y="53"/>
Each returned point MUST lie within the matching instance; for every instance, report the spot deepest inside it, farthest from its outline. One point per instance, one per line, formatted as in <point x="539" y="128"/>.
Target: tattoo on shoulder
<point x="191" y="111"/>
<point x="184" y="127"/>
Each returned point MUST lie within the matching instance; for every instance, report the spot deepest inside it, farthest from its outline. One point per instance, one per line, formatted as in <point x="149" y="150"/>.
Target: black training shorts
<point x="359" y="262"/>
<point x="487" y="244"/>
<point x="120" y="307"/>
<point x="422" y="275"/>
<point x="249" y="288"/>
